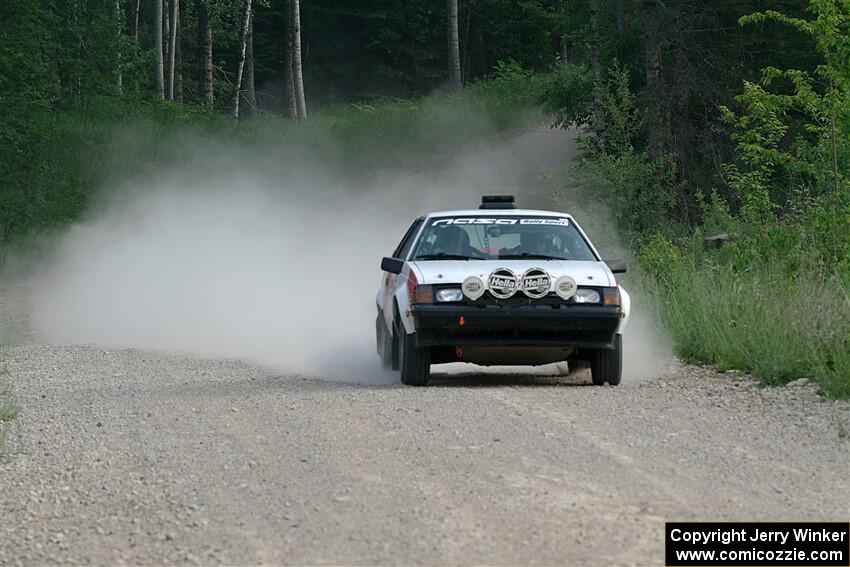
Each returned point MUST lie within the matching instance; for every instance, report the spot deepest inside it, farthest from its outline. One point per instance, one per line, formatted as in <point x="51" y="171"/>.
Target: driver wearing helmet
<point x="530" y="242"/>
<point x="455" y="240"/>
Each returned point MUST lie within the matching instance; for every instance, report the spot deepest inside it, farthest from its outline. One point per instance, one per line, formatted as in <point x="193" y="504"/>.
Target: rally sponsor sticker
<point x="503" y="283"/>
<point x="535" y="283"/>
<point x="556" y="221"/>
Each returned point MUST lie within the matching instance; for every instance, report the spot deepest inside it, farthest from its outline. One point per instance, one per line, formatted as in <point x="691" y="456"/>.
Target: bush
<point x="774" y="299"/>
<point x="758" y="316"/>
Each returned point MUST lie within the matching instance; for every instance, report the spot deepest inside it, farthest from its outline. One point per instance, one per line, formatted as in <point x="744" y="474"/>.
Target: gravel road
<point x="129" y="456"/>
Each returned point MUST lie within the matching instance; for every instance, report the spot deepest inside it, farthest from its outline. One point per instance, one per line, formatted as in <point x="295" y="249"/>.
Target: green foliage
<point x="62" y="157"/>
<point x="568" y="95"/>
<point x="639" y="190"/>
<point x="774" y="299"/>
<point x="799" y="137"/>
<point x="622" y="117"/>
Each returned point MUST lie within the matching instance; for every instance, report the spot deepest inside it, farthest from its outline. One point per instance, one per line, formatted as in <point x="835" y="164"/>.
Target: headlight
<point x="586" y="295"/>
<point x="449" y="294"/>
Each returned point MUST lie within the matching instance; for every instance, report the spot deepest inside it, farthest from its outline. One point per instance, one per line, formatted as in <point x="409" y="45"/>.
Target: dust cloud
<point x="268" y="256"/>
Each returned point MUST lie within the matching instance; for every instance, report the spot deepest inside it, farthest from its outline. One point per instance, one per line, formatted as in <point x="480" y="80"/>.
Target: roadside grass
<point x="759" y="321"/>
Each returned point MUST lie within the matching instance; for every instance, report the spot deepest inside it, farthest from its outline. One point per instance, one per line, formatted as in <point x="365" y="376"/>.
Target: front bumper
<point x="565" y="325"/>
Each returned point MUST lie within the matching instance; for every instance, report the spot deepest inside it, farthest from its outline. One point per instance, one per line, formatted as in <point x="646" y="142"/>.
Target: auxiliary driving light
<point x="565" y="287"/>
<point x="473" y="287"/>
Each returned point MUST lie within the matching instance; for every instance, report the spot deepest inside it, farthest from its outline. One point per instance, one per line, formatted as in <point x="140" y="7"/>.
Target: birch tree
<point x="172" y="46"/>
<point x="292" y="105"/>
<point x="290" y="72"/>
<point x="157" y="39"/>
<point x="243" y="46"/>
<point x="455" y="81"/>
<point x="250" y="91"/>
<point x="297" y="69"/>
<point x="166" y="35"/>
<point x="205" y="29"/>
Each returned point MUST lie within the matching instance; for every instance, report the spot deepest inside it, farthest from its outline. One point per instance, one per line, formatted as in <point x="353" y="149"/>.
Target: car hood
<point x="455" y="271"/>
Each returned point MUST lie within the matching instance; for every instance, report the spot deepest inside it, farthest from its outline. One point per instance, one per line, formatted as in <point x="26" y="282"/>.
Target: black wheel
<point x="415" y="362"/>
<point x="607" y="365"/>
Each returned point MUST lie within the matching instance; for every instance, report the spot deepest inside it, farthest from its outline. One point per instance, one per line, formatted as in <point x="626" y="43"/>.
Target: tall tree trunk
<point x="157" y="40"/>
<point x="465" y="58"/>
<point x="596" y="64"/>
<point x="564" y="50"/>
<point x="454" y="46"/>
<point x="243" y="47"/>
<point x="135" y="20"/>
<point x="205" y="29"/>
<point x="297" y="70"/>
<point x="119" y="80"/>
<point x="622" y="16"/>
<point x="249" y="93"/>
<point x="172" y="46"/>
<point x="178" y="73"/>
<point x="652" y="58"/>
<point x="166" y="34"/>
<point x="290" y="72"/>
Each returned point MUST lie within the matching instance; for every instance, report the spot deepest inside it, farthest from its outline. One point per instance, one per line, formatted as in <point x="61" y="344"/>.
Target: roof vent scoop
<point x="498" y="202"/>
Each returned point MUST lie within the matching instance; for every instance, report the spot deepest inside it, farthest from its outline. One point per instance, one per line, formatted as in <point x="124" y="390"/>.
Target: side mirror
<point x="392" y="265"/>
<point x="617" y="266"/>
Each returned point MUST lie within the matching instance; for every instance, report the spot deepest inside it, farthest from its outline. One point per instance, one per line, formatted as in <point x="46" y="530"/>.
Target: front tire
<point x="415" y="362"/>
<point x="607" y="365"/>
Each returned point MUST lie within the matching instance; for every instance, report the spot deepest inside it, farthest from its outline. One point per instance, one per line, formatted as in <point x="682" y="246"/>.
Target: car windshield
<point x="502" y="237"/>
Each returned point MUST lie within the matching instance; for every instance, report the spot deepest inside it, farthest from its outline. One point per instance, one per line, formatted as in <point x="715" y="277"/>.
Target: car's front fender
<point x="626" y="307"/>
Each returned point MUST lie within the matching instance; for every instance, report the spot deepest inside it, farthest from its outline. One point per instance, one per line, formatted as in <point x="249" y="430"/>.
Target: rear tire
<point x="415" y="362"/>
<point x="607" y="365"/>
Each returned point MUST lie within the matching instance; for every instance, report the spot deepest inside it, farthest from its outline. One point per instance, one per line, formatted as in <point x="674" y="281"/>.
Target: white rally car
<point x="500" y="286"/>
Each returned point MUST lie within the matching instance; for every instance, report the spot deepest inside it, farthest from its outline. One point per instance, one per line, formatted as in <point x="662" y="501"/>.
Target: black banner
<point x="757" y="544"/>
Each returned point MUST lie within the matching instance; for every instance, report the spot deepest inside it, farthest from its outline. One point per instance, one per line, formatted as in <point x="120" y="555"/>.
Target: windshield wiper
<point x="528" y="256"/>
<point x="444" y="256"/>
